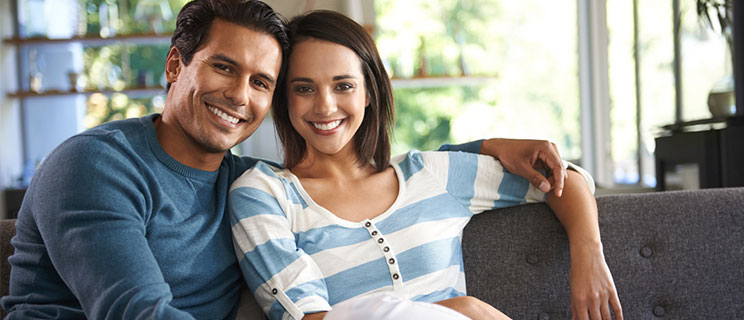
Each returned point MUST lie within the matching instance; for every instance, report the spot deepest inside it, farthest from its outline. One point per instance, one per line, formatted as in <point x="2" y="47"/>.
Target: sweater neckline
<point x="171" y="163"/>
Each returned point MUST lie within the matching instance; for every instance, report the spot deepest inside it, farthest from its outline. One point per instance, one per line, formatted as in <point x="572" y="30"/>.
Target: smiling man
<point x="127" y="220"/>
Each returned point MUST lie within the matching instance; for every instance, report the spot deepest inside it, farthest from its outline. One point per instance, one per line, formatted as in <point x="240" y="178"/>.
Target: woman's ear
<point x="172" y="65"/>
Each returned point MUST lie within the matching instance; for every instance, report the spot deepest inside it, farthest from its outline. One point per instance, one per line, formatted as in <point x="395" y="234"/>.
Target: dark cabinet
<point x="718" y="155"/>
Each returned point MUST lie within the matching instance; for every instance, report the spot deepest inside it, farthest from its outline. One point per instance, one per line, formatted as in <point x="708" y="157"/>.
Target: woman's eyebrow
<point x="301" y="80"/>
<point x="344" y="76"/>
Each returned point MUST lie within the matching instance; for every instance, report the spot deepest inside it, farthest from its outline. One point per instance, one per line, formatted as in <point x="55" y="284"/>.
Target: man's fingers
<point x="539" y="181"/>
<point x="553" y="161"/>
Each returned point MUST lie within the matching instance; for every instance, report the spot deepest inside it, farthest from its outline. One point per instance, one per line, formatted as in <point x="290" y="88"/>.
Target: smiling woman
<point x="328" y="107"/>
<point x="343" y="222"/>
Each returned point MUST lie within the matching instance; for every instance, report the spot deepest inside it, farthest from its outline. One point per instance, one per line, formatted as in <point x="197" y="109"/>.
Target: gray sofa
<point x="674" y="255"/>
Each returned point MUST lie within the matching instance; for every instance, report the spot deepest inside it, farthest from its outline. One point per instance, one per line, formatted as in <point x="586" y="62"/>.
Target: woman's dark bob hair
<point x="372" y="140"/>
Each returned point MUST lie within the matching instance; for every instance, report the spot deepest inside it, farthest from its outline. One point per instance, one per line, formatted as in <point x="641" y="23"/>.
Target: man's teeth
<point x="327" y="126"/>
<point x="223" y="115"/>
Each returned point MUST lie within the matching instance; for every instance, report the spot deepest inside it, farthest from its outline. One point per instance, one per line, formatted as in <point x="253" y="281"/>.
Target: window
<point x="465" y="70"/>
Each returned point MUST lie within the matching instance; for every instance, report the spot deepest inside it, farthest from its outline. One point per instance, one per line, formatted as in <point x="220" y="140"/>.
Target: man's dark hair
<point x="372" y="139"/>
<point x="196" y="17"/>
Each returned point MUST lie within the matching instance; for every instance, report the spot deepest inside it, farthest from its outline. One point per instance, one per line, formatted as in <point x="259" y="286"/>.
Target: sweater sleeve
<point x="286" y="282"/>
<point x="90" y="204"/>
<point x="480" y="183"/>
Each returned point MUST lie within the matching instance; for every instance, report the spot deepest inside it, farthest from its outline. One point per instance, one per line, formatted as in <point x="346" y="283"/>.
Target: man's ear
<point x="172" y="65"/>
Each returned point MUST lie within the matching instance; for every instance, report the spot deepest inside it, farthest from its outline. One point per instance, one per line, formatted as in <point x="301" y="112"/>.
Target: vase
<point x="721" y="98"/>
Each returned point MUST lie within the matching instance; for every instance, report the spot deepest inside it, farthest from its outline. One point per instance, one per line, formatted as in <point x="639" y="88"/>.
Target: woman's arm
<point x="283" y="278"/>
<point x="593" y="291"/>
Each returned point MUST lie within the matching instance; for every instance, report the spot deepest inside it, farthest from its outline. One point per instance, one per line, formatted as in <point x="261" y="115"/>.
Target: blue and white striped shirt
<point x="297" y="257"/>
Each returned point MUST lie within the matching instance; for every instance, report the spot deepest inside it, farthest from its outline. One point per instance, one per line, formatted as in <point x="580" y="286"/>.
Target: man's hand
<point x="523" y="157"/>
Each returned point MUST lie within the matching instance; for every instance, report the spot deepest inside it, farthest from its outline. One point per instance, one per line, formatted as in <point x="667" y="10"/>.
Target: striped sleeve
<point x="481" y="183"/>
<point x="285" y="281"/>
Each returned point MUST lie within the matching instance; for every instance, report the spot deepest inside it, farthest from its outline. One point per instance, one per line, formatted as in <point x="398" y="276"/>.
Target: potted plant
<point x="721" y="101"/>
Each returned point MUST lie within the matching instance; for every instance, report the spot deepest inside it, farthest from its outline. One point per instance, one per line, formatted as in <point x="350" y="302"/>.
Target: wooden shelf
<point x="143" y="38"/>
<point x="50" y="93"/>
<point x="440" y="81"/>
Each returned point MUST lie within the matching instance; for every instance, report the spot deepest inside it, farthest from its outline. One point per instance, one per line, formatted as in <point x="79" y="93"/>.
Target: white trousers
<point x="386" y="306"/>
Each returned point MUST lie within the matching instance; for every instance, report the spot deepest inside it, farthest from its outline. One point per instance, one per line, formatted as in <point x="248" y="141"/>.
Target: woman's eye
<point x="303" y="89"/>
<point x="344" y="86"/>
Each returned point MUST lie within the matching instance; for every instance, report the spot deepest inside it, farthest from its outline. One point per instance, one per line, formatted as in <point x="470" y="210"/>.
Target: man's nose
<point x="239" y="92"/>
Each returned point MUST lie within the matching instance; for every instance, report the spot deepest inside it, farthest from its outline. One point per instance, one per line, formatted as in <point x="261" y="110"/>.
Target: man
<point x="126" y="220"/>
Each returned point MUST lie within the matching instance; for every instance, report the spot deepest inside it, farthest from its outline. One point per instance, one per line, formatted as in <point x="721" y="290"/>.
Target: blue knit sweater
<point x="112" y="227"/>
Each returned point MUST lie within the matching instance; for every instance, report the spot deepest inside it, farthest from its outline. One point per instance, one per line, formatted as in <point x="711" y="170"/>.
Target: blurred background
<point x="603" y="79"/>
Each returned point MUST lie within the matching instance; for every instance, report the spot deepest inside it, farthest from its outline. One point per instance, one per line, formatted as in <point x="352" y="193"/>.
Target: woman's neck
<point x="342" y="166"/>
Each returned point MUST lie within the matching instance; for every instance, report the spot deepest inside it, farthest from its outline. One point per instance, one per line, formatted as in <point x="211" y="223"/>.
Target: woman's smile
<point x="327" y="127"/>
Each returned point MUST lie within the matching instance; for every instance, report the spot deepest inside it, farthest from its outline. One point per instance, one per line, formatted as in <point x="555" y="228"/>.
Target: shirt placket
<point x="387" y="252"/>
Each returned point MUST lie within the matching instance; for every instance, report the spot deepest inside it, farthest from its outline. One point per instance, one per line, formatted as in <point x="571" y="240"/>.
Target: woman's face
<point x="326" y="94"/>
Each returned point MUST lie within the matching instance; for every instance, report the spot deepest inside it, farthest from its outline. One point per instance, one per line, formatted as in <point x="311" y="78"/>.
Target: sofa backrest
<point x="7" y="231"/>
<point x="677" y="255"/>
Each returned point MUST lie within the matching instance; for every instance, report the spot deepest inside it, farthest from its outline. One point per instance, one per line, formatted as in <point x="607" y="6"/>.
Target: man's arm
<point x="90" y="209"/>
<point x="593" y="290"/>
<point x="523" y="158"/>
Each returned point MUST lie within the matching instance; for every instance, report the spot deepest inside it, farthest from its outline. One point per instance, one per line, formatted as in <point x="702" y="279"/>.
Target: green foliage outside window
<point x="526" y="50"/>
<point x="120" y="66"/>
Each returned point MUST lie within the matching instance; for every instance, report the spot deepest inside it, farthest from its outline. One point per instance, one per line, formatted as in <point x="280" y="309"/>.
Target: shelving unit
<point x="91" y="40"/>
<point x="49" y="93"/>
<point x="143" y="38"/>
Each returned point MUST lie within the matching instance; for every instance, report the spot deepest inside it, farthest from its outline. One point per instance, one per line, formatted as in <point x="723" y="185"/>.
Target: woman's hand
<point x="473" y="308"/>
<point x="593" y="291"/>
<point x="592" y="288"/>
<point x="523" y="157"/>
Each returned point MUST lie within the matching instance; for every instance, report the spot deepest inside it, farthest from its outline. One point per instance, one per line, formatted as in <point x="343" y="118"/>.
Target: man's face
<point x="221" y="97"/>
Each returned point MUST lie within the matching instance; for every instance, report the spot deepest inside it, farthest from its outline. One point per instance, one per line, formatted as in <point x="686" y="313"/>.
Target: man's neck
<point x="183" y="149"/>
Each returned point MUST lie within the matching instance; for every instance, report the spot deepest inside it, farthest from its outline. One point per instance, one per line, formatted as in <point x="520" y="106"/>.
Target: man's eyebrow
<point x="224" y="58"/>
<point x="229" y="60"/>
<point x="267" y="77"/>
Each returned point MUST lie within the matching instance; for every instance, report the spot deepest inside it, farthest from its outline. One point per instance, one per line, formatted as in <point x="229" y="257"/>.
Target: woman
<point x="343" y="221"/>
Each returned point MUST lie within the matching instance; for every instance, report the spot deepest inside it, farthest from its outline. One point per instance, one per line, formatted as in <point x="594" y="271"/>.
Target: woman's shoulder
<point x="422" y="159"/>
<point x="261" y="175"/>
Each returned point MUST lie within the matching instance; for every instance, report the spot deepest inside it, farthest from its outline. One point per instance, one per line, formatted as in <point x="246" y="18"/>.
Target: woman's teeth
<point x="223" y="115"/>
<point x="328" y="125"/>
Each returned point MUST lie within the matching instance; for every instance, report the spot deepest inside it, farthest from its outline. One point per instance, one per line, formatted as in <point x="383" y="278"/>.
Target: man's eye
<point x="222" y="67"/>
<point x="260" y="84"/>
